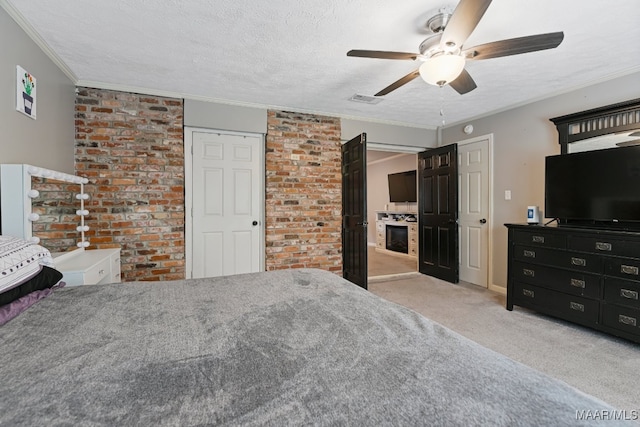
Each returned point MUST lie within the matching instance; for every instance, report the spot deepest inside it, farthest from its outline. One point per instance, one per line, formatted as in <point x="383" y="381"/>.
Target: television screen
<point x="599" y="185"/>
<point x="402" y="187"/>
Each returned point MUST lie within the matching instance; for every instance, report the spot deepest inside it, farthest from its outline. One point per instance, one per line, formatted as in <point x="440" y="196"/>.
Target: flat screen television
<point x="600" y="187"/>
<point x="402" y="187"/>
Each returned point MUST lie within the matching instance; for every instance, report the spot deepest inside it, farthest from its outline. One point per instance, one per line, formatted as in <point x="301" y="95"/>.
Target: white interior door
<point x="227" y="200"/>
<point x="473" y="169"/>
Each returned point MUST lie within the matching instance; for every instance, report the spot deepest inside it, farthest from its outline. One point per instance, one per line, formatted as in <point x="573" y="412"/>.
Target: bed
<point x="289" y="347"/>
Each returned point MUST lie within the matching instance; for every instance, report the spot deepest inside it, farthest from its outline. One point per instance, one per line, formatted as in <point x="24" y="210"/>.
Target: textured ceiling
<point x="291" y="54"/>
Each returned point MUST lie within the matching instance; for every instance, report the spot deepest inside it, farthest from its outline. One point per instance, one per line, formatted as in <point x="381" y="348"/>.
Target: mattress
<point x="290" y="347"/>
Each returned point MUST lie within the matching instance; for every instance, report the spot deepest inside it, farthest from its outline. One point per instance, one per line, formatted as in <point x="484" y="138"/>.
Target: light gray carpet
<point x="596" y="363"/>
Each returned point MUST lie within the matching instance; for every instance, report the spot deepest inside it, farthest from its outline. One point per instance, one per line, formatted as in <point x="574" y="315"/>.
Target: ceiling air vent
<point x="365" y="99"/>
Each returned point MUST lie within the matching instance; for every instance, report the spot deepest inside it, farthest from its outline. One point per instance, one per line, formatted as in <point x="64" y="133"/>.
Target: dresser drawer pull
<point x="529" y="254"/>
<point x="581" y="262"/>
<point x="576" y="306"/>
<point x="537" y="239"/>
<point x="628" y="293"/>
<point x="602" y="246"/>
<point x="528" y="293"/>
<point x="629" y="269"/>
<point x="577" y="283"/>
<point x="627" y="320"/>
<point x="529" y="273"/>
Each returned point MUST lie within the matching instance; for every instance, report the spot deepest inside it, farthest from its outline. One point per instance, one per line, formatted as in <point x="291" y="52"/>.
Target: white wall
<point x="523" y="137"/>
<point x="47" y="141"/>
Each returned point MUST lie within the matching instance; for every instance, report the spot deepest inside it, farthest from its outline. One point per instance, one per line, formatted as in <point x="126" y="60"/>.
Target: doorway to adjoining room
<point x="474" y="162"/>
<point x="391" y="214"/>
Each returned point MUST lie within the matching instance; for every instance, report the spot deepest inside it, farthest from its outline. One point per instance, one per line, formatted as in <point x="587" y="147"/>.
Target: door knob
<point x="483" y="221"/>
<point x="254" y="223"/>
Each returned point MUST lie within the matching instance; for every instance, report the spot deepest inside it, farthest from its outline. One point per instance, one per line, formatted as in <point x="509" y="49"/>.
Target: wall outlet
<point x="295" y="157"/>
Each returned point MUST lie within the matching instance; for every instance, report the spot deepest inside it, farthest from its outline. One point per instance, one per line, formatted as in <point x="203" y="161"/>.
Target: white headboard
<point x="16" y="194"/>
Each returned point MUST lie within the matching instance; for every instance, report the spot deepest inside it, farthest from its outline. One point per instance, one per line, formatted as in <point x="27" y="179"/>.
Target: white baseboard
<point x="498" y="289"/>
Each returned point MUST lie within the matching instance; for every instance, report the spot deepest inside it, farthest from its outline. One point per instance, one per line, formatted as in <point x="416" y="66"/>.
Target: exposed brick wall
<point x="131" y="149"/>
<point x="303" y="192"/>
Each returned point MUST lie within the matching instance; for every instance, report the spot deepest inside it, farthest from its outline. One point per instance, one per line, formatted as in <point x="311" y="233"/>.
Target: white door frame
<point x="489" y="138"/>
<point x="400" y="150"/>
<point x="188" y="193"/>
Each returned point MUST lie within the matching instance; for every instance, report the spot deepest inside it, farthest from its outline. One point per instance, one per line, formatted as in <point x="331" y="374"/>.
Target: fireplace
<point x="397" y="238"/>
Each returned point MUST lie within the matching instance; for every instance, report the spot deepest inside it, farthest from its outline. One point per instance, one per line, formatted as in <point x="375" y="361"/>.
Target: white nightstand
<point x="89" y="267"/>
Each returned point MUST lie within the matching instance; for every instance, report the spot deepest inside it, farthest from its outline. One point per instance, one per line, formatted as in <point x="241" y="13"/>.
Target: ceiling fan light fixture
<point x="442" y="69"/>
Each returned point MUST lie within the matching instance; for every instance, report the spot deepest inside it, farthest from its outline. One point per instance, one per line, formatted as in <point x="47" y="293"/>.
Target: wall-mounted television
<point x="600" y="187"/>
<point x="402" y="187"/>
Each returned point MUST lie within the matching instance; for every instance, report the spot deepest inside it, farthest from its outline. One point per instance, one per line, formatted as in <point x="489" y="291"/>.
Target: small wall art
<point x="26" y="92"/>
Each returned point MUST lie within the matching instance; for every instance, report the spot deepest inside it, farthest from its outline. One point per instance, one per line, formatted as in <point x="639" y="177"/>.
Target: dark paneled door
<point x="438" y="212"/>
<point x="354" y="210"/>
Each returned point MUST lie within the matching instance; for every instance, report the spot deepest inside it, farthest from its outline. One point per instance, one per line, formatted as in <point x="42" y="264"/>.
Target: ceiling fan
<point x="444" y="55"/>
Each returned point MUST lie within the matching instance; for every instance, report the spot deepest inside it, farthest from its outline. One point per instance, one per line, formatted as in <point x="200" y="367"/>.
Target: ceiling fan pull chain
<point x="442" y="105"/>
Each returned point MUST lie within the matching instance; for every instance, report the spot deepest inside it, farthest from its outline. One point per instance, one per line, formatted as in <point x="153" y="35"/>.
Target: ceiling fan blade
<point x="463" y="83"/>
<point x="401" y="82"/>
<point x="381" y="54"/>
<point x="464" y="20"/>
<point x="514" y="46"/>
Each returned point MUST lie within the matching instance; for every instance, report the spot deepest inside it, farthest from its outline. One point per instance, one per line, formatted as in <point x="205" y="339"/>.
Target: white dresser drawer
<point x="98" y="272"/>
<point x="90" y="267"/>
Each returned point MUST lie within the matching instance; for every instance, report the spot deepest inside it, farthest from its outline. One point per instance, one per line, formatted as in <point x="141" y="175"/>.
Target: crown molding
<point x="33" y="35"/>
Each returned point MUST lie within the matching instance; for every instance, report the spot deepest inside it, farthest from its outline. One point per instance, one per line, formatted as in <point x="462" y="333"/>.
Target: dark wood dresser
<point x="586" y="276"/>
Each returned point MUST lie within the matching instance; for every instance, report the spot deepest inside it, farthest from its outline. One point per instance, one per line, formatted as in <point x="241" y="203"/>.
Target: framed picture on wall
<point x="25" y="92"/>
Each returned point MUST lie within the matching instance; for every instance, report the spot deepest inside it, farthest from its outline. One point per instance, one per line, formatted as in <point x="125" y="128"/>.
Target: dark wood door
<point x="354" y="210"/>
<point x="438" y="213"/>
